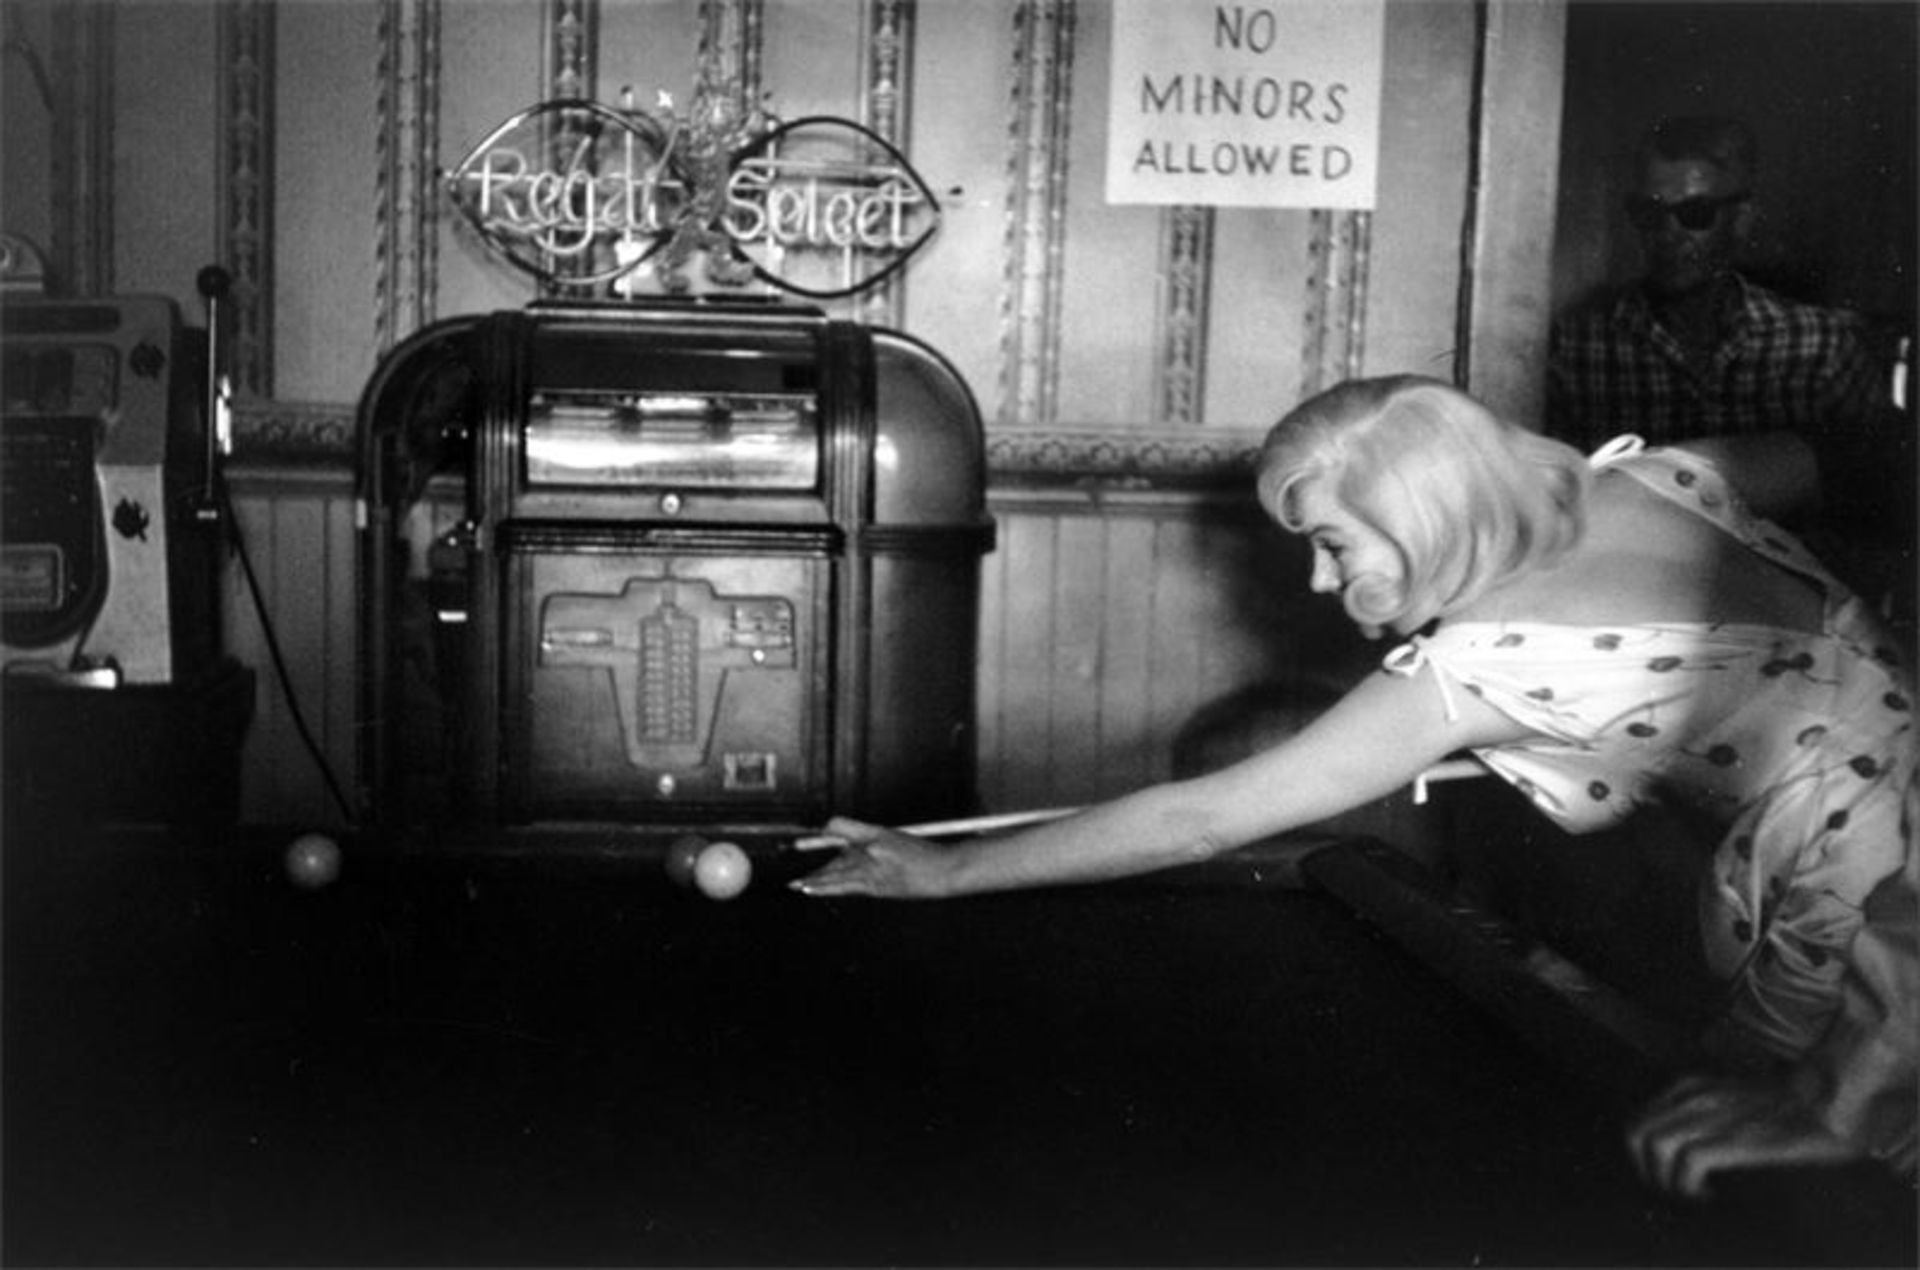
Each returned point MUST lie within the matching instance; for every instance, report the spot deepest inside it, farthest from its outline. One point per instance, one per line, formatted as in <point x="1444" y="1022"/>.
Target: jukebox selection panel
<point x="667" y="682"/>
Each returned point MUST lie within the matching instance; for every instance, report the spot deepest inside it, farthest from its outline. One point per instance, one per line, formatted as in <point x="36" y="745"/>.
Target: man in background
<point x="1694" y="349"/>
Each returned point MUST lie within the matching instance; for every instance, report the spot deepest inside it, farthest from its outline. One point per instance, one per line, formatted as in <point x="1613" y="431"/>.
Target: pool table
<point x="479" y="1058"/>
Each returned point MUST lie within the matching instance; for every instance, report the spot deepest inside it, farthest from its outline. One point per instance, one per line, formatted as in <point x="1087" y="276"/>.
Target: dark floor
<point x="462" y="1064"/>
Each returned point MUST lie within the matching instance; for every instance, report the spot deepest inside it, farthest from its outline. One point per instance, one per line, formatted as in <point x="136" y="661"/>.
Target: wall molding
<point x="1333" y="339"/>
<point x="1037" y="134"/>
<point x="571" y="32"/>
<point x="886" y="95"/>
<point x="293" y="433"/>
<point x="245" y="188"/>
<point x="1146" y="457"/>
<point x="81" y="160"/>
<point x="299" y="434"/>
<point x="407" y="190"/>
<point x="749" y="28"/>
<point x="1186" y="268"/>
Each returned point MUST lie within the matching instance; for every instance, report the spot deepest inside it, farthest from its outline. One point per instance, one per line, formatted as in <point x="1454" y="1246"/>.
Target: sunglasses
<point x="1697" y="213"/>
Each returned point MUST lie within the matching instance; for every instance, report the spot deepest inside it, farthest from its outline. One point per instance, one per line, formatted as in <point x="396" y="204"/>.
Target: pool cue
<point x="1448" y="770"/>
<point x="1451" y="769"/>
<point x="946" y="828"/>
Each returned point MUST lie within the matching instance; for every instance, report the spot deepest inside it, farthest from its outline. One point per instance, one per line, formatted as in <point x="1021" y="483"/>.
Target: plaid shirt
<point x="1784" y="365"/>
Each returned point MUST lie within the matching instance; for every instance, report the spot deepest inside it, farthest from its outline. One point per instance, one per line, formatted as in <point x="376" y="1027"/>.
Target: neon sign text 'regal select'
<point x="805" y="206"/>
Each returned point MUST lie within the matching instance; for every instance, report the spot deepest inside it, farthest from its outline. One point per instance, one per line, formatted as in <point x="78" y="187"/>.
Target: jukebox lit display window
<point x="703" y="563"/>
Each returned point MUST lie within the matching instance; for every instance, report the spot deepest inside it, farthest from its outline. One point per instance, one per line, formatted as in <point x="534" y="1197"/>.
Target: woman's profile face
<point x="1350" y="558"/>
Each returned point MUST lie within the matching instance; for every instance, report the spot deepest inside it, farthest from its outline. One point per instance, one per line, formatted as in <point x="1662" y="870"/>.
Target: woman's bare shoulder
<point x="1645" y="558"/>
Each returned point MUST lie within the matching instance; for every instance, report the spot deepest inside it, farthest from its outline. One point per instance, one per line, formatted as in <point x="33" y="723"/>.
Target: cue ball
<point x="313" y="860"/>
<point x="722" y="871"/>
<point x="681" y="856"/>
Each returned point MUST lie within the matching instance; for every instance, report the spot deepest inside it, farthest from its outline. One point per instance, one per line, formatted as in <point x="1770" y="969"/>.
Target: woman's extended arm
<point x="1376" y="739"/>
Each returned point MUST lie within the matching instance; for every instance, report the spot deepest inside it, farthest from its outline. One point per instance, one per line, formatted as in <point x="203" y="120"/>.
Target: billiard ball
<point x="722" y="871"/>
<point x="312" y="861"/>
<point x="680" y="857"/>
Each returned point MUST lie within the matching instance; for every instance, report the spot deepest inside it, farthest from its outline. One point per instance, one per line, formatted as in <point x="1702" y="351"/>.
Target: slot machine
<point x="119" y="705"/>
<point x="107" y="575"/>
<point x="678" y="564"/>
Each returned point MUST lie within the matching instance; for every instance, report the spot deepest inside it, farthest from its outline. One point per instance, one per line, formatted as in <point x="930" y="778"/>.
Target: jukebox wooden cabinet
<point x="705" y="564"/>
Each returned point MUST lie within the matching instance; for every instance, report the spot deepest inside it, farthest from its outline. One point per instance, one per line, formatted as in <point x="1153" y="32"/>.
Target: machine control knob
<point x="213" y="282"/>
<point x="670" y="504"/>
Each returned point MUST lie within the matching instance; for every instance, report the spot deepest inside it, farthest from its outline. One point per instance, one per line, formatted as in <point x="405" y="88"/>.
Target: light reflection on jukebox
<point x="709" y="564"/>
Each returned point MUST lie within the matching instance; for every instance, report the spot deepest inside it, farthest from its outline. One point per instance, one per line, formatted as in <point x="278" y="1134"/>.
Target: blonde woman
<point x="1602" y="633"/>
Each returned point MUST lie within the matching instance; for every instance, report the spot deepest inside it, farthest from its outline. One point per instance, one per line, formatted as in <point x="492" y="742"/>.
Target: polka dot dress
<point x="1801" y="745"/>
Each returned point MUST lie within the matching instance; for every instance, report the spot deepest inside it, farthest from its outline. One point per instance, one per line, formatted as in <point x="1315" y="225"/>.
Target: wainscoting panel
<point x="1106" y="623"/>
<point x="298" y="533"/>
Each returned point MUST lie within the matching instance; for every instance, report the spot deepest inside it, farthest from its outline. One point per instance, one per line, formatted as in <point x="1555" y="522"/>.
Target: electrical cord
<point x="279" y="660"/>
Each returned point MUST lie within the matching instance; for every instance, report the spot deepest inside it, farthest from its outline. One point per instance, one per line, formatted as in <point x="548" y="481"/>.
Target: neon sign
<point x="583" y="195"/>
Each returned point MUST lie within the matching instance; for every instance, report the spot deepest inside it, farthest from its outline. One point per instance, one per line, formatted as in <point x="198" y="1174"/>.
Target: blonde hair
<point x="1466" y="498"/>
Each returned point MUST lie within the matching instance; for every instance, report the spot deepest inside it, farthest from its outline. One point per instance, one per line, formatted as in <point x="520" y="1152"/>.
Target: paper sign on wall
<point x="1245" y="105"/>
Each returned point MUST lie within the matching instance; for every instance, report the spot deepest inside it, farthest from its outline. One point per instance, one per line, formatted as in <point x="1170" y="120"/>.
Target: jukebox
<point x="693" y="563"/>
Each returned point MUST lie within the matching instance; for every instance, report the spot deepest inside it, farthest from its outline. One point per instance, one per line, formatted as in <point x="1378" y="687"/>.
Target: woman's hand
<point x="1702" y="1124"/>
<point x="878" y="862"/>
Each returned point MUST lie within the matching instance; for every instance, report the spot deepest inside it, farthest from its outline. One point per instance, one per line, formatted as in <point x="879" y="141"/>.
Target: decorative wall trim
<point x="245" y="188"/>
<point x="81" y="163"/>
<point x="751" y="27"/>
<point x="572" y="33"/>
<point x="407" y="189"/>
<point x="1037" y="134"/>
<point x="1122" y="457"/>
<point x="305" y="434"/>
<point x="886" y="91"/>
<point x="1186" y="265"/>
<point x="569" y="67"/>
<point x="1335" y="315"/>
<point x="293" y="433"/>
<point x="1357" y="230"/>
